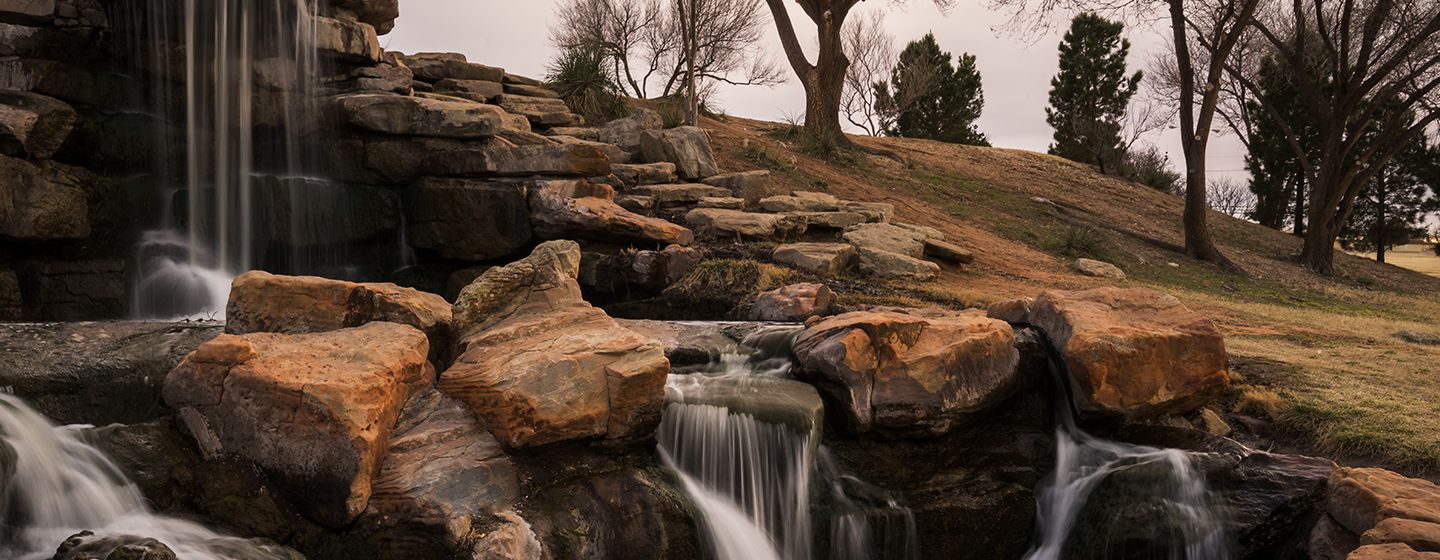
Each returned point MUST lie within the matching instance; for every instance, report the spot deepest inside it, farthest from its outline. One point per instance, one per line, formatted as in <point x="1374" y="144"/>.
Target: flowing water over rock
<point x="743" y="439"/>
<point x="1181" y="520"/>
<point x="62" y="485"/>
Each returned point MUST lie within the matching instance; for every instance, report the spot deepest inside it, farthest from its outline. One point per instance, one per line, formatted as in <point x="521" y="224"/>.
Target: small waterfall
<point x="63" y="485"/>
<point x="1083" y="462"/>
<point x="234" y="86"/>
<point x="744" y="441"/>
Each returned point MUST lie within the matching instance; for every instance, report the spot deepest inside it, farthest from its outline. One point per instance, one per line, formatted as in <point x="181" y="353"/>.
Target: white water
<point x="1084" y="461"/>
<point x="754" y="482"/>
<point x="64" y="485"/>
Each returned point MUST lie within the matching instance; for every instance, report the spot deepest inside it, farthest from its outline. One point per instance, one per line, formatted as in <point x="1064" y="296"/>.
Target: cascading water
<point x="743" y="439"/>
<point x="62" y="485"/>
<point x="1083" y="462"/>
<point x="234" y="88"/>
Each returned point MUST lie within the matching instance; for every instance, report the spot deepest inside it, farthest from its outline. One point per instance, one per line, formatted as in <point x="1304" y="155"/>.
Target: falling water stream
<point x="748" y="455"/>
<point x="62" y="485"/>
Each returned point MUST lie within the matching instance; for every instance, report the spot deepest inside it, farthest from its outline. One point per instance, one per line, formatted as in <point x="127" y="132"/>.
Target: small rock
<point x="793" y="303"/>
<point x="886" y="265"/>
<point x="1416" y="337"/>
<point x="948" y="252"/>
<point x="1099" y="269"/>
<point x="749" y="185"/>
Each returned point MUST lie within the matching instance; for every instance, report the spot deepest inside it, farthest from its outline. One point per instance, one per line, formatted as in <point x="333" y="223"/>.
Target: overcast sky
<point x="514" y="34"/>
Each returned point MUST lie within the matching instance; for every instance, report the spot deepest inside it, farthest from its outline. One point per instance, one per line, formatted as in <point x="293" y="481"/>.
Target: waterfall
<point x="1084" y="461"/>
<point x="745" y="446"/>
<point x="234" y="86"/>
<point x="62" y="485"/>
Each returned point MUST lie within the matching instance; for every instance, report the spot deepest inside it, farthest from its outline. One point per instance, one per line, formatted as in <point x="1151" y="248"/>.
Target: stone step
<point x="637" y="174"/>
<point x="684" y="193"/>
<point x="419" y="116"/>
<point x="826" y="259"/>
<point x="479" y="90"/>
<point x="433" y="67"/>
<point x="722" y="223"/>
<point x="530" y="91"/>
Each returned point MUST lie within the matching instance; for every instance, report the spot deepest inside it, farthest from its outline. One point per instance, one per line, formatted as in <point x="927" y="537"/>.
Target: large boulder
<point x="265" y="302"/>
<point x="44" y="201"/>
<point x="33" y="125"/>
<point x="467" y="219"/>
<point x="95" y="373"/>
<point x="1383" y="513"/>
<point x="626" y="132"/>
<point x="687" y="147"/>
<point x="418" y="116"/>
<point x="540" y="365"/>
<point x="379" y="13"/>
<point x="919" y="373"/>
<point x="1133" y="352"/>
<point x="347" y="40"/>
<point x="575" y="209"/>
<point x="433" y="67"/>
<point x="636" y="174"/>
<point x="314" y="411"/>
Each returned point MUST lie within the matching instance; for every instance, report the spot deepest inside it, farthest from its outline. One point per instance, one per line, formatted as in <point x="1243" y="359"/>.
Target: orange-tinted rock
<point x="557" y="212"/>
<point x="1423" y="536"/>
<point x="920" y="372"/>
<point x="1362" y="498"/>
<point x="264" y="302"/>
<point x="1392" y="551"/>
<point x="314" y="411"/>
<point x="793" y="303"/>
<point x="540" y="365"/>
<point x="1135" y="352"/>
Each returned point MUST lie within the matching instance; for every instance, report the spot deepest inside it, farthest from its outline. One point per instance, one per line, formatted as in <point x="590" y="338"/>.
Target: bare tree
<point x="655" y="45"/>
<point x="871" y="51"/>
<point x="1222" y="24"/>
<point x="824" y="80"/>
<point x="1368" y="75"/>
<point x="1230" y="197"/>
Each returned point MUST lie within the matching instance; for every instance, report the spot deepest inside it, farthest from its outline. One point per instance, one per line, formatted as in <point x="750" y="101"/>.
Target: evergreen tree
<point x="930" y="98"/>
<point x="1390" y="210"/>
<point x="1090" y="94"/>
<point x="1276" y="176"/>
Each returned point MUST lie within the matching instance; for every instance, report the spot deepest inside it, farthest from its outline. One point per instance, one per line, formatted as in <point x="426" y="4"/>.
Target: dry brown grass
<point x="1338" y="378"/>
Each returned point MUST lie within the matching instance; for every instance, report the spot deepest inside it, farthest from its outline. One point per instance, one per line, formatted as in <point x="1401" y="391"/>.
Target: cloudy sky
<point x="1016" y="71"/>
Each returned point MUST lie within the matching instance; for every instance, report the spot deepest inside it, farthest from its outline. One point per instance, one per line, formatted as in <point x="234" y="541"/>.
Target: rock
<point x="379" y="13"/>
<point x="887" y="237"/>
<point x="793" y="304"/>
<point x="948" y="252"/>
<point x="828" y="220"/>
<point x="1212" y="423"/>
<point x="10" y="300"/>
<point x="626" y="512"/>
<point x="530" y="91"/>
<point x="721" y="223"/>
<point x="800" y="201"/>
<point x="687" y="147"/>
<point x="445" y="472"/>
<point x="908" y="374"/>
<point x="1416" y="337"/>
<point x="27" y="11"/>
<point x="636" y="174"/>
<point x="686" y="343"/>
<point x="511" y="539"/>
<point x="74" y="290"/>
<point x="347" y="40"/>
<point x="725" y="202"/>
<point x="647" y="270"/>
<point x="638" y="204"/>
<point x="749" y="185"/>
<point x="387" y="78"/>
<point x="773" y="400"/>
<point x="518" y="79"/>
<point x="581" y="132"/>
<point x="625" y="132"/>
<point x="539" y="365"/>
<point x="44" y="201"/>
<point x="555" y="159"/>
<point x="874" y="212"/>
<point x="1422" y="536"/>
<point x="467" y="219"/>
<point x="1391" y="552"/>
<point x="1014" y="311"/>
<point x="476" y="90"/>
<point x="1134" y="352"/>
<point x="611" y="151"/>
<point x="826" y="259"/>
<point x="433" y="67"/>
<point x="314" y="411"/>
<point x="1361" y="498"/>
<point x="680" y="194"/>
<point x="715" y="287"/>
<point x="86" y="545"/>
<point x="33" y="125"/>
<point x="418" y="116"/>
<point x="95" y="373"/>
<point x="1329" y="541"/>
<point x="557" y="214"/>
<point x="263" y="302"/>
<point x="1100" y="269"/>
<point x="1269" y="499"/>
<point x="886" y="265"/>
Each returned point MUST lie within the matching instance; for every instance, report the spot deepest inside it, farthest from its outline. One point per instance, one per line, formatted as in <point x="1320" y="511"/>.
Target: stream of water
<point x="63" y="484"/>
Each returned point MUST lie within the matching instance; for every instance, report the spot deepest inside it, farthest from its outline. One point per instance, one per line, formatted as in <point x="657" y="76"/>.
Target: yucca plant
<point x="582" y="76"/>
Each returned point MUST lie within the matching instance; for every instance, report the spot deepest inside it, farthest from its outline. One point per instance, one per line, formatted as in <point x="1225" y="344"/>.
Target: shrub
<point x="1079" y="242"/>
<point x="1436" y="249"/>
<point x="1151" y="167"/>
<point x="586" y="83"/>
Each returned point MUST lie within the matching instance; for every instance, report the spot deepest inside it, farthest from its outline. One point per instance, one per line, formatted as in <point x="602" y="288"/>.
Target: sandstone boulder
<point x="889" y="238"/>
<point x="826" y="259"/>
<point x="828" y="220"/>
<point x="265" y="302"/>
<point x="467" y="219"/>
<point x="749" y="185"/>
<point x="636" y="174"/>
<point x="800" y="201"/>
<point x="557" y="213"/>
<point x="351" y="41"/>
<point x="1099" y="269"/>
<point x="379" y="13"/>
<point x="388" y="78"/>
<point x="948" y="252"/>
<point x="793" y="303"/>
<point x="419" y="116"/>
<point x="539" y="365"/>
<point x="433" y="67"/>
<point x="726" y="202"/>
<point x="44" y="201"/>
<point x="687" y="147"/>
<point x="909" y="373"/>
<point x="1135" y="352"/>
<point x="33" y="125"/>
<point x="553" y="159"/>
<point x="721" y="223"/>
<point x="314" y="411"/>
<point x="530" y="91"/>
<point x="625" y="132"/>
<point x="475" y="90"/>
<point x="677" y="194"/>
<point x="1393" y="551"/>
<point x="874" y="212"/>
<point x="1363" y="499"/>
<point x="611" y="151"/>
<point x="886" y="265"/>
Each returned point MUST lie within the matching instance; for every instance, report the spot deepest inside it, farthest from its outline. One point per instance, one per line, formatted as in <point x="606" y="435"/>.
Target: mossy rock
<point x="717" y="286"/>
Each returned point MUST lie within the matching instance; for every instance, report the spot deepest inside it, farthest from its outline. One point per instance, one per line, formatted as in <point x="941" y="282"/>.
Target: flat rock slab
<point x="558" y="214"/>
<point x="772" y="400"/>
<point x="948" y="252"/>
<point x="718" y="222"/>
<point x="433" y="67"/>
<point x="314" y="411"/>
<point x="800" y="201"/>
<point x="886" y="265"/>
<point x="825" y="259"/>
<point x="682" y="193"/>
<point x="637" y="174"/>
<point x="419" y="116"/>
<point x="1099" y="269"/>
<point x="889" y="238"/>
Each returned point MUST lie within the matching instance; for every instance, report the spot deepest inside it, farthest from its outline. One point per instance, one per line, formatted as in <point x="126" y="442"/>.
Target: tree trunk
<point x="824" y="81"/>
<point x="1299" y="204"/>
<point x="1193" y="140"/>
<point x="1381" y="200"/>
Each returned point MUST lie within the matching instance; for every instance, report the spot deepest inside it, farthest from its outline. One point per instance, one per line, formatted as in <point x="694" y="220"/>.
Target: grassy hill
<point x="1317" y="354"/>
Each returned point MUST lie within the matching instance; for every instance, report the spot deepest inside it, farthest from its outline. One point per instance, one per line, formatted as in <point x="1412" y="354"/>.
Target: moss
<point x="716" y="286"/>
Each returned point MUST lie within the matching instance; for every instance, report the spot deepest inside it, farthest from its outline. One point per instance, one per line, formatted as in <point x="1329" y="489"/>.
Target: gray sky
<point x="514" y="34"/>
